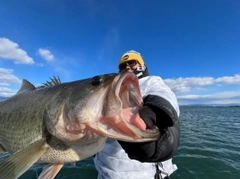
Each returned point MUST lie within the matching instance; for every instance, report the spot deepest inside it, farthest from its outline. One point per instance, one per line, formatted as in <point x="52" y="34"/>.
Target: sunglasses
<point x="130" y="63"/>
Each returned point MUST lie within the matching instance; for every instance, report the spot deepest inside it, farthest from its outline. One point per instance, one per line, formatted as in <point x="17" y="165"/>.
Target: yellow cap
<point x="131" y="55"/>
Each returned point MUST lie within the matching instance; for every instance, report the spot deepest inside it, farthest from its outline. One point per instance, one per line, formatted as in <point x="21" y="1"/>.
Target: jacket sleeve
<point x="162" y="114"/>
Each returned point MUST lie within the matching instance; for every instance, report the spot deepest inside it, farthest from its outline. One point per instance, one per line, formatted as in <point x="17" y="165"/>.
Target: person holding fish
<point x="118" y="159"/>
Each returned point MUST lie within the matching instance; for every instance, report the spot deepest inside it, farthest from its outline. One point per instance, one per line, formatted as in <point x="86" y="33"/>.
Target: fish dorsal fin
<point x="26" y="85"/>
<point x="54" y="81"/>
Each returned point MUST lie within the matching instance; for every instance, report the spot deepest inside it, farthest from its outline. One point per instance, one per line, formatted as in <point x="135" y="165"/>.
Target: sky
<point x="194" y="46"/>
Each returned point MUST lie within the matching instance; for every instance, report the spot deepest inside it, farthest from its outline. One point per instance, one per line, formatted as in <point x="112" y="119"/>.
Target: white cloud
<point x="46" y="54"/>
<point x="187" y="84"/>
<point x="229" y="79"/>
<point x="6" y="79"/>
<point x="6" y="92"/>
<point x="181" y="85"/>
<point x="10" y="51"/>
<point x="4" y="84"/>
<point x="230" y="97"/>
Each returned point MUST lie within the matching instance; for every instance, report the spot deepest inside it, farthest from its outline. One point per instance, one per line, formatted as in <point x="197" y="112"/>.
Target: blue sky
<point x="193" y="45"/>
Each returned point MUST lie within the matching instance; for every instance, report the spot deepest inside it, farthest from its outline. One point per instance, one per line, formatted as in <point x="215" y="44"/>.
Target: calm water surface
<point x="209" y="148"/>
<point x="210" y="143"/>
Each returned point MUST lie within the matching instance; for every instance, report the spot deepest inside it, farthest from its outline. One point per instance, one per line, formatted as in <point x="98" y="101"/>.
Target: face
<point x="129" y="66"/>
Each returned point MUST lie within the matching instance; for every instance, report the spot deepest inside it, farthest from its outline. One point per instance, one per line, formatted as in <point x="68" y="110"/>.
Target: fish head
<point x="105" y="105"/>
<point x="114" y="109"/>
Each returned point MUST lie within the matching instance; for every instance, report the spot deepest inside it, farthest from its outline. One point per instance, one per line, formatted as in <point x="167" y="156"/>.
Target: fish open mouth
<point x="123" y="103"/>
<point x="130" y="96"/>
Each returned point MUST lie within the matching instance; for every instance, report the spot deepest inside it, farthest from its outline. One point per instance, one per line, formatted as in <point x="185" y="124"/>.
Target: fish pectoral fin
<point x="50" y="171"/>
<point x="19" y="162"/>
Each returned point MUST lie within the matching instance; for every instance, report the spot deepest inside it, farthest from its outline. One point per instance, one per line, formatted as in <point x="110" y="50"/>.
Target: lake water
<point x="209" y="147"/>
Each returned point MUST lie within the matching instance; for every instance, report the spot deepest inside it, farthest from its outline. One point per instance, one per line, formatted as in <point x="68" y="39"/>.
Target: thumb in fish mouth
<point x="131" y="129"/>
<point x="134" y="119"/>
<point x="148" y="116"/>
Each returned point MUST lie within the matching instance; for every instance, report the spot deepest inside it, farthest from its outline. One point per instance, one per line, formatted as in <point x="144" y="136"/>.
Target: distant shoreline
<point x="211" y="105"/>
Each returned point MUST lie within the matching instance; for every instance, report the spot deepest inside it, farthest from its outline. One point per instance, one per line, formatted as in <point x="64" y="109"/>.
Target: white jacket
<point x="113" y="163"/>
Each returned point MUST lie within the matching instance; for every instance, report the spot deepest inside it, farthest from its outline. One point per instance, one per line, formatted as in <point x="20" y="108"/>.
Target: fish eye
<point x="96" y="80"/>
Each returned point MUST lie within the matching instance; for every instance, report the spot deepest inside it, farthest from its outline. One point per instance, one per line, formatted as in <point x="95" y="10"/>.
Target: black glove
<point x="149" y="116"/>
<point x="142" y="151"/>
<point x="156" y="112"/>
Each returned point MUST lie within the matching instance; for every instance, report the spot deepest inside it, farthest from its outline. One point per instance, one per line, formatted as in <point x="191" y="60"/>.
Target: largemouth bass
<point x="68" y="122"/>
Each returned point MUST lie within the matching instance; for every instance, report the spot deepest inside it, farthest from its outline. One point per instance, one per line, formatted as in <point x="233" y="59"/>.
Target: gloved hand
<point x="156" y="112"/>
<point x="142" y="151"/>
<point x="148" y="116"/>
